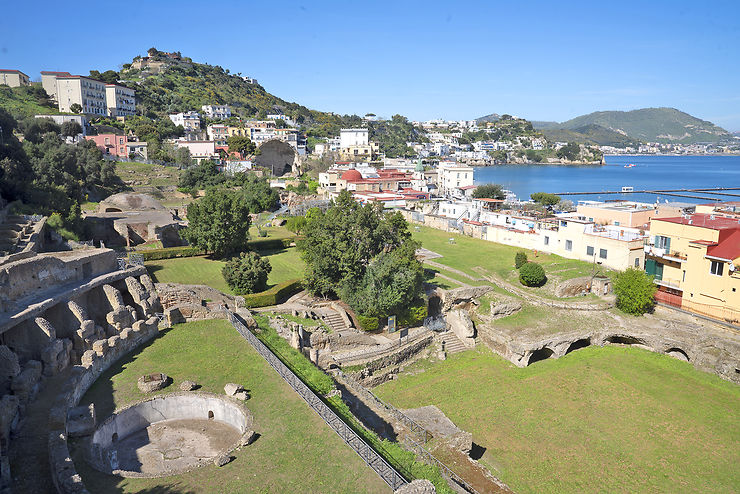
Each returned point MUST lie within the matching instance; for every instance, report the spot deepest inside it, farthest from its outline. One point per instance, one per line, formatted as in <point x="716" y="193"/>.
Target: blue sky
<point x="539" y="60"/>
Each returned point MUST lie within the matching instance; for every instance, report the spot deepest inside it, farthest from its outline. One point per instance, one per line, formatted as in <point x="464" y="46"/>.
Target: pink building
<point x="112" y="144"/>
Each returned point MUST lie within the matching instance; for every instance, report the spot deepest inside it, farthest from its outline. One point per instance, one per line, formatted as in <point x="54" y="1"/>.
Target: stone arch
<point x="624" y="340"/>
<point x="578" y="344"/>
<point x="112" y="210"/>
<point x="541" y="354"/>
<point x="210" y="414"/>
<point x="434" y="308"/>
<point x="277" y="156"/>
<point x="678" y="353"/>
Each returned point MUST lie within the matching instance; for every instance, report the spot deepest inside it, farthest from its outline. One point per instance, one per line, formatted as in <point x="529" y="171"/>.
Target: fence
<point x="371" y="457"/>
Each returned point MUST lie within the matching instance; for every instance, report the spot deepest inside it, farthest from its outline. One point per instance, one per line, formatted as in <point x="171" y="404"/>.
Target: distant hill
<point x="493" y="117"/>
<point x="590" y="134"/>
<point x="666" y="125"/>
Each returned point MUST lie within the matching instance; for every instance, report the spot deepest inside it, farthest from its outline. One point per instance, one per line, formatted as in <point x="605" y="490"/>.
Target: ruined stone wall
<point x="45" y="272"/>
<point x="54" y="333"/>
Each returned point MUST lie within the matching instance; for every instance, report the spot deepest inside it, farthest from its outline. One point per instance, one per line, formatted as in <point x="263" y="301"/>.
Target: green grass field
<point x="610" y="419"/>
<point x="467" y="252"/>
<point x="286" y="264"/>
<point x="296" y="450"/>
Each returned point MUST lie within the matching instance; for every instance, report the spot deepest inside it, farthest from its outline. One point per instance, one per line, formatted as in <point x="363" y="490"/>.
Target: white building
<point x="353" y="137"/>
<point x="14" y="78"/>
<point x="199" y="150"/>
<point x="217" y="112"/>
<point x="60" y="119"/>
<point x="120" y="100"/>
<point x="86" y="92"/>
<point x="453" y="177"/>
<point x="189" y="120"/>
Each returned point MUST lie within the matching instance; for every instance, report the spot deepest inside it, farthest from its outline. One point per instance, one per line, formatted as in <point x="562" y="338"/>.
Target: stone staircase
<point x="452" y="343"/>
<point x="334" y="321"/>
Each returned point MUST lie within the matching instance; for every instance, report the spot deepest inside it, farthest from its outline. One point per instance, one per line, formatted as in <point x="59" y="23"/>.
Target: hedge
<point x="273" y="295"/>
<point x="188" y="251"/>
<point x="368" y="323"/>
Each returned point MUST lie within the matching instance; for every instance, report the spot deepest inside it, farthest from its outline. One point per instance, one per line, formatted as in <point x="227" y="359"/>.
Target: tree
<point x="341" y="242"/>
<point x="296" y="224"/>
<point x="218" y="222"/>
<point x="75" y="108"/>
<point x="247" y="273"/>
<point x="391" y="283"/>
<point x="635" y="291"/>
<point x="241" y="144"/>
<point x="489" y="191"/>
<point x="71" y="128"/>
<point x="532" y="274"/>
<point x="570" y="151"/>
<point x="520" y="259"/>
<point x="545" y="198"/>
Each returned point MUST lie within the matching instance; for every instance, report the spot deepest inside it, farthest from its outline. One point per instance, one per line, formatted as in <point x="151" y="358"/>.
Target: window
<point x="637" y="264"/>
<point x="568" y="245"/>
<point x="602" y="253"/>
<point x="616" y="223"/>
<point x="589" y="250"/>
<point x="662" y="242"/>
<point x="716" y="268"/>
<point x="563" y="223"/>
<point x="547" y="240"/>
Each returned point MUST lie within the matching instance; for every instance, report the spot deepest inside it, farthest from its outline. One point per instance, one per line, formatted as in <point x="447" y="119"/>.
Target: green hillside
<point x="182" y="85"/>
<point x="590" y="134"/>
<point x="25" y="101"/>
<point x="666" y="125"/>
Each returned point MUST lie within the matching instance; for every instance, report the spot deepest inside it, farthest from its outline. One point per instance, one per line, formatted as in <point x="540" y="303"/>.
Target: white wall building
<point x="353" y="137"/>
<point x="86" y="92"/>
<point x="120" y="100"/>
<point x="199" y="150"/>
<point x="452" y="177"/>
<point x="188" y="120"/>
<point x="217" y="112"/>
<point x="60" y="119"/>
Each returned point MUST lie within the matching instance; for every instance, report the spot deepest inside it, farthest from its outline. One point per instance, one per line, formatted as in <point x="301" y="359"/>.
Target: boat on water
<point x="630" y="165"/>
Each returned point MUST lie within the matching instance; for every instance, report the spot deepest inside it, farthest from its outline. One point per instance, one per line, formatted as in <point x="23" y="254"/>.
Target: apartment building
<point x="355" y="144"/>
<point x="694" y="261"/>
<point x="216" y="112"/>
<point x="120" y="100"/>
<point x="111" y="144"/>
<point x="453" y="177"/>
<point x="199" y="150"/>
<point x="628" y="213"/>
<point x="14" y="78"/>
<point x="49" y="82"/>
<point x="189" y="120"/>
<point x="76" y="89"/>
<point x="60" y="119"/>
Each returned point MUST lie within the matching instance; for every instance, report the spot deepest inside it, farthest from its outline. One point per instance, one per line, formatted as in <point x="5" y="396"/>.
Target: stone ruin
<point x="74" y="312"/>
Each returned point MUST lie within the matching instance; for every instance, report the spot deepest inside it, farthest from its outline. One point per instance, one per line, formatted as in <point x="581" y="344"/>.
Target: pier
<point x="713" y="191"/>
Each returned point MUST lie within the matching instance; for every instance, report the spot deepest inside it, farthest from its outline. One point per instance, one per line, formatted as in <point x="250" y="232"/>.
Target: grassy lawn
<point x="296" y="450"/>
<point x="607" y="419"/>
<point x="151" y="175"/>
<point x="272" y="232"/>
<point x="286" y="264"/>
<point x="467" y="252"/>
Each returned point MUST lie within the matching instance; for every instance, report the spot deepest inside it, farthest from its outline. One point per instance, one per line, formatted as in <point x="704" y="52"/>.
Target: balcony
<point x="668" y="283"/>
<point x="668" y="255"/>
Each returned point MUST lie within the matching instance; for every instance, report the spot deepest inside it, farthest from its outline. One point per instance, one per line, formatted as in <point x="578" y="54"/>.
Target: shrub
<point x="296" y="224"/>
<point x="532" y="274"/>
<point x="635" y="291"/>
<point x="368" y="323"/>
<point x="274" y="295"/>
<point x="520" y="259"/>
<point x="170" y="253"/>
<point x="414" y="315"/>
<point x="247" y="273"/>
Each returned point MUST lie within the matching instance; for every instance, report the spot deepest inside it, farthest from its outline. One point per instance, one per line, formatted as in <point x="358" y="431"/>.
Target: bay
<point x="648" y="173"/>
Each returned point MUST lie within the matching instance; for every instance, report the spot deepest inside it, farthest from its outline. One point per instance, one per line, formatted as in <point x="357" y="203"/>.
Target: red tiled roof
<point x="468" y="187"/>
<point x="50" y="72"/>
<point x="485" y="199"/>
<point x="728" y="246"/>
<point x="13" y="71"/>
<point x="713" y="222"/>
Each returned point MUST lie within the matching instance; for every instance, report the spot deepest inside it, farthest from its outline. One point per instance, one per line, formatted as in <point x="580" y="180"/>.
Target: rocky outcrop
<point x="463" y="296"/>
<point x="418" y="486"/>
<point x="573" y="287"/>
<point x="503" y="309"/>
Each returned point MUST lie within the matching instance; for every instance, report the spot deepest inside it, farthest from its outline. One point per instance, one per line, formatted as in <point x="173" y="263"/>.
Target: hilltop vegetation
<point x="666" y="125"/>
<point x="26" y="101"/>
<point x="590" y="134"/>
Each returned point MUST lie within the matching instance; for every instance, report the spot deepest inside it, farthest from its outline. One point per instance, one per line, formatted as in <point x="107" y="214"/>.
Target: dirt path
<point x="29" y="456"/>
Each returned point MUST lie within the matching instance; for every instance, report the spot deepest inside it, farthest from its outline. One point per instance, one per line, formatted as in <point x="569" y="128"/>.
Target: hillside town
<point x="206" y="288"/>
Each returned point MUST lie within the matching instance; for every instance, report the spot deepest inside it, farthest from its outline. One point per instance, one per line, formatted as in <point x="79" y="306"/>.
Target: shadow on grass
<point x="367" y="416"/>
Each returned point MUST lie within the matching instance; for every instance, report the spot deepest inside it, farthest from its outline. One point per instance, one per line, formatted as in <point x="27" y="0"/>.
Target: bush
<point x="296" y="224"/>
<point x="414" y="315"/>
<point x="247" y="273"/>
<point x="532" y="274"/>
<point x="274" y="295"/>
<point x="170" y="253"/>
<point x="520" y="259"/>
<point x="368" y="323"/>
<point x="635" y="291"/>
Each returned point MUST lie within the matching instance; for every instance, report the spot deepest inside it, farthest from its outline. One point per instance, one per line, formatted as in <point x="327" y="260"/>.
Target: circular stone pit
<point x="169" y="434"/>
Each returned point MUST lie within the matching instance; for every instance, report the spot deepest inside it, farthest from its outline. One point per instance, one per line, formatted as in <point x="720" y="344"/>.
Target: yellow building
<point x="693" y="259"/>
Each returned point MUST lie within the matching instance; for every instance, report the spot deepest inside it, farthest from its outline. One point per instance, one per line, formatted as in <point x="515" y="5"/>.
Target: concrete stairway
<point x="452" y="342"/>
<point x="334" y="321"/>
